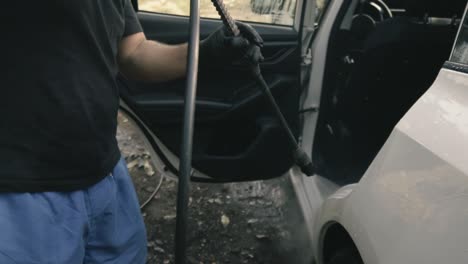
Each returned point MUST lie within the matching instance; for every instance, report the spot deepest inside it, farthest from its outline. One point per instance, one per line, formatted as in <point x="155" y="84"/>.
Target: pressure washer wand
<point x="187" y="137"/>
<point x="300" y="157"/>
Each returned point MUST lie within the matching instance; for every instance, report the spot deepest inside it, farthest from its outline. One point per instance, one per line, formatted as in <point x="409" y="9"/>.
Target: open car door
<point x="237" y="137"/>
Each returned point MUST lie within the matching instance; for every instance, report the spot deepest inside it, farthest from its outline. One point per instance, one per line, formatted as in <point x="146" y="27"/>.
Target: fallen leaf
<point x="150" y="244"/>
<point x="148" y="168"/>
<point x="149" y="189"/>
<point x="252" y="221"/>
<point x="225" y="220"/>
<point x="132" y="164"/>
<point x="170" y="217"/>
<point x="159" y="250"/>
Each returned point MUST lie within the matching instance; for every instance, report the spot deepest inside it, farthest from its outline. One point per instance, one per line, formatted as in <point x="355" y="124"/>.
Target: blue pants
<point x="100" y="225"/>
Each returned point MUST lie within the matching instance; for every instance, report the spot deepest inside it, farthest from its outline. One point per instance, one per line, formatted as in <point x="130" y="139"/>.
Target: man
<point x="65" y="193"/>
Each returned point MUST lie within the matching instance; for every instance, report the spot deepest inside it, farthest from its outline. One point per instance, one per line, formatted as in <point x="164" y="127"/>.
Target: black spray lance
<point x="301" y="158"/>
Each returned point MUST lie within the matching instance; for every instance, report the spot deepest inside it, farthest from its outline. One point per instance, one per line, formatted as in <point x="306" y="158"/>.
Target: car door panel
<point x="236" y="136"/>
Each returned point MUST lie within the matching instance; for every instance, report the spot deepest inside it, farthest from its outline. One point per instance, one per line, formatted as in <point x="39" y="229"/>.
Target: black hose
<point x="300" y="156"/>
<point x="185" y="166"/>
<point x="151" y="197"/>
<point x="272" y="102"/>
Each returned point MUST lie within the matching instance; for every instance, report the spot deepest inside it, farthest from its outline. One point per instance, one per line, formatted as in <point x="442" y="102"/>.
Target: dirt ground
<point x="256" y="222"/>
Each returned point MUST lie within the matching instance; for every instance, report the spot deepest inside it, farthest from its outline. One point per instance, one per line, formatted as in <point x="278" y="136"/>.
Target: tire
<point x="346" y="256"/>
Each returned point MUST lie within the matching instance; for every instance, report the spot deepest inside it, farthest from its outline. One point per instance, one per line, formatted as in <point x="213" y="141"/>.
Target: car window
<point x="321" y="6"/>
<point x="279" y="12"/>
<point x="460" y="52"/>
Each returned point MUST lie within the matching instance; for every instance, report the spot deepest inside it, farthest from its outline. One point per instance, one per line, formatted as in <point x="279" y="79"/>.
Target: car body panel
<point x="411" y="203"/>
<point x="330" y="213"/>
<point x="311" y="192"/>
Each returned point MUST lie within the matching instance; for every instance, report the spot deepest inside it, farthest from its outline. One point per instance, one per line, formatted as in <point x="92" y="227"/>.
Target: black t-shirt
<point x="59" y="97"/>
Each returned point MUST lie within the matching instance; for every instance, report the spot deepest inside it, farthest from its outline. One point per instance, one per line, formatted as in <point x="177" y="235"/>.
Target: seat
<point x="401" y="59"/>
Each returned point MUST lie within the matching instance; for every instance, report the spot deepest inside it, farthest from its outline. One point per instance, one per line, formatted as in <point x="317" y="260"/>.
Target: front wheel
<point x="346" y="256"/>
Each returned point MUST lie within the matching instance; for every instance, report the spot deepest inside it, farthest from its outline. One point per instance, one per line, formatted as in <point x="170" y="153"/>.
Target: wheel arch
<point x="334" y="238"/>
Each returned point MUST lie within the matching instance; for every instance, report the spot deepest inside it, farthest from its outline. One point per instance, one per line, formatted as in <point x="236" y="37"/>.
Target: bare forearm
<point x="154" y="62"/>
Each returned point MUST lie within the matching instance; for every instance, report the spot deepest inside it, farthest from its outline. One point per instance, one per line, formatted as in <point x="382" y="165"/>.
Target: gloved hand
<point x="220" y="48"/>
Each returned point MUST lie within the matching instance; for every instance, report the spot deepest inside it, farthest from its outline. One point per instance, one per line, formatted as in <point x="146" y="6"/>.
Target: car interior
<point x="237" y="137"/>
<point x="375" y="71"/>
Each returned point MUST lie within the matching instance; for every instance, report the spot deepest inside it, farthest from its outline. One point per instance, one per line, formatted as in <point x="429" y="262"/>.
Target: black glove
<point x="220" y="48"/>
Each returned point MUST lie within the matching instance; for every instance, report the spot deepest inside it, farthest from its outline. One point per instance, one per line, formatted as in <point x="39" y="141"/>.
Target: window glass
<point x="280" y="12"/>
<point x="321" y="6"/>
<point x="460" y="52"/>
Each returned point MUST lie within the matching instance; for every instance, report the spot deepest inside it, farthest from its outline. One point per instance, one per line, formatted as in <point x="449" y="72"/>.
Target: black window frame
<point x="135" y="5"/>
<point x="461" y="39"/>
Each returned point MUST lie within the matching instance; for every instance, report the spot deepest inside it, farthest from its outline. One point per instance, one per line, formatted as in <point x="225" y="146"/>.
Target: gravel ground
<point x="255" y="222"/>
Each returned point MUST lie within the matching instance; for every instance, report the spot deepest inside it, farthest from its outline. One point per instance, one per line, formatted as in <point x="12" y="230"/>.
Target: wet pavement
<point x="254" y="222"/>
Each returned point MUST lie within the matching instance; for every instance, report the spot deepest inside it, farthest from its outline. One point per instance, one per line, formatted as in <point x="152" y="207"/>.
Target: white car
<point x="377" y="94"/>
